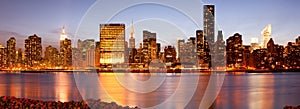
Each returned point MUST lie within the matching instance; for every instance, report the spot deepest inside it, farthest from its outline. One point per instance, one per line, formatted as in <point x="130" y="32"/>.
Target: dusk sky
<point x="22" y="18"/>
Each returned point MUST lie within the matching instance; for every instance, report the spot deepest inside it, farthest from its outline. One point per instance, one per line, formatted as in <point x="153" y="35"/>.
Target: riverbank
<point x="291" y="107"/>
<point x="11" y="102"/>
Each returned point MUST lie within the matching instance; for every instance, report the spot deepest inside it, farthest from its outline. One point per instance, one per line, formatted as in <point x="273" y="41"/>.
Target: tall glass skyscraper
<point x="112" y="44"/>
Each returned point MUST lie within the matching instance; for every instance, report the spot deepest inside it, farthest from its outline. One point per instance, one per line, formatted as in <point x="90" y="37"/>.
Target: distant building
<point x="266" y="35"/>
<point x="132" y="39"/>
<point x="65" y="49"/>
<point x="247" y="56"/>
<point x="203" y="51"/>
<point x="291" y="55"/>
<point x="51" y="57"/>
<point x="11" y="52"/>
<point x="97" y="54"/>
<point x="219" y="53"/>
<point x="169" y="55"/>
<point x="179" y="48"/>
<point x="112" y="44"/>
<point x="3" y="57"/>
<point x="209" y="23"/>
<point x="254" y="44"/>
<point x="19" y="57"/>
<point x="260" y="58"/>
<point x="149" y="47"/>
<point x="90" y="57"/>
<point x="33" y="51"/>
<point x="234" y="51"/>
<point x="158" y="49"/>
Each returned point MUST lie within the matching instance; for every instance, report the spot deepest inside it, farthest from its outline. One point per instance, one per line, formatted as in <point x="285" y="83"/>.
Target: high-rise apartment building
<point x="234" y="51"/>
<point x="33" y="51"/>
<point x="11" y="52"/>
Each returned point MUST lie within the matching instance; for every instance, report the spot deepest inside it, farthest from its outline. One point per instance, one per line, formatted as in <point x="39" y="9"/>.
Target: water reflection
<point x="239" y="90"/>
<point x="45" y="86"/>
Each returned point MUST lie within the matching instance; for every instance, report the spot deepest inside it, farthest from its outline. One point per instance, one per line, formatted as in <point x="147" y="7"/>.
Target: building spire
<point x="63" y="35"/>
<point x="131" y="29"/>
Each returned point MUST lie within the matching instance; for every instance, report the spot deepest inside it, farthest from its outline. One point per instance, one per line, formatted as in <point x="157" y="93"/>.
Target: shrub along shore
<point x="11" y="102"/>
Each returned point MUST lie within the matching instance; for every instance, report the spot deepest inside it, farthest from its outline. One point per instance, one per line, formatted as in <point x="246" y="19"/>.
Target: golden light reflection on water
<point x="123" y="96"/>
<point x="62" y="80"/>
<point x="262" y="97"/>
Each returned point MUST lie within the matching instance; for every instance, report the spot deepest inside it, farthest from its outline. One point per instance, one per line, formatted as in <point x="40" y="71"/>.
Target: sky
<point x="170" y="19"/>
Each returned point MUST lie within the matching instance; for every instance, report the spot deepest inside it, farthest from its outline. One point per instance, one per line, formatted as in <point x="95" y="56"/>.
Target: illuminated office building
<point x="112" y="44"/>
<point x="33" y="51"/>
<point x="11" y="52"/>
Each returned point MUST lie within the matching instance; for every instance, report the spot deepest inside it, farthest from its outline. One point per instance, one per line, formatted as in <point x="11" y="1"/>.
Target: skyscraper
<point x="266" y="35"/>
<point x="203" y="50"/>
<point x="2" y="56"/>
<point x="169" y="55"/>
<point x="209" y="23"/>
<point x="219" y="51"/>
<point x="179" y="47"/>
<point x="112" y="44"/>
<point x="65" y="49"/>
<point x="132" y="39"/>
<point x="33" y="51"/>
<point x="149" y="46"/>
<point x="51" y="57"/>
<point x="11" y="52"/>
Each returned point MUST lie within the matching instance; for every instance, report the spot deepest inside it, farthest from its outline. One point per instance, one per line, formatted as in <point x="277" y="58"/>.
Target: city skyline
<point x="259" y="17"/>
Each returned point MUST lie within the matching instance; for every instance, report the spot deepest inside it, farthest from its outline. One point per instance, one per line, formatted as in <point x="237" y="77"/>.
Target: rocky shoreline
<point x="291" y="107"/>
<point x="10" y="102"/>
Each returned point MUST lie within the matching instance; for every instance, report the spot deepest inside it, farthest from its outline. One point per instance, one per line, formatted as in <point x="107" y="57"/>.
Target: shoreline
<point x="152" y="71"/>
<point x="23" y="103"/>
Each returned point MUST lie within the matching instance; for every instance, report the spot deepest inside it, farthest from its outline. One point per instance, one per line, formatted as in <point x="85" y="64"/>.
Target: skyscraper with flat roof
<point x="112" y="44"/>
<point x="11" y="52"/>
<point x="209" y="23"/>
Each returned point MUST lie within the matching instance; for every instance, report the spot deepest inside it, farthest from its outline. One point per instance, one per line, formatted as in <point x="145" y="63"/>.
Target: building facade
<point x="33" y="51"/>
<point x="112" y="44"/>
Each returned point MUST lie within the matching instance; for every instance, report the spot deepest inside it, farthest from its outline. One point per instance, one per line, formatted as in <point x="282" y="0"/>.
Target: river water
<point x="191" y="90"/>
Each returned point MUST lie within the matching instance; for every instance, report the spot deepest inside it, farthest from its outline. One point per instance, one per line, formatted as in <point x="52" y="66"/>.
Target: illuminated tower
<point x="65" y="49"/>
<point x="266" y="35"/>
<point x="209" y="23"/>
<point x="11" y="52"/>
<point x="132" y="39"/>
<point x="112" y="44"/>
